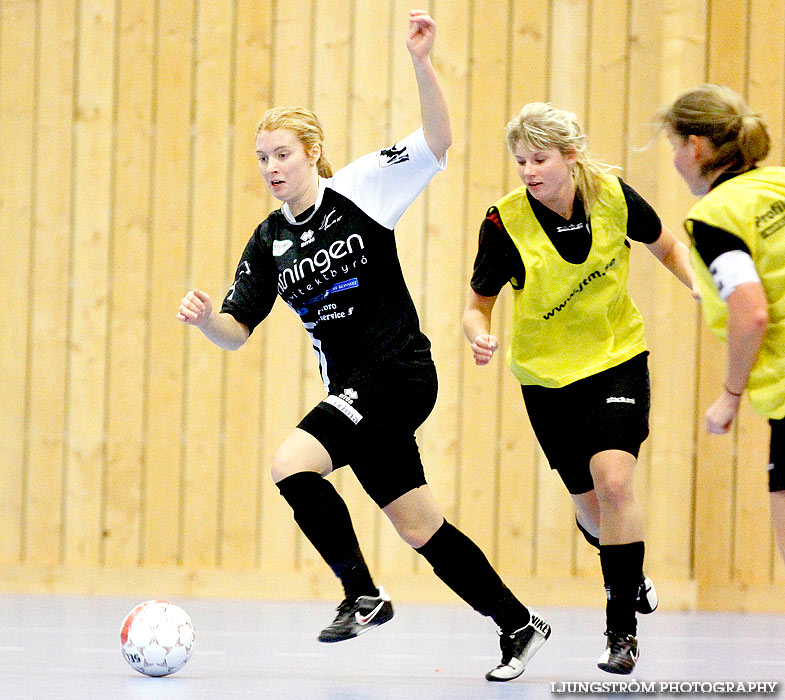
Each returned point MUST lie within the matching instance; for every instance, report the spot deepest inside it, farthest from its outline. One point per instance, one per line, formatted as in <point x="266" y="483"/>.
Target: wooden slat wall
<point x="136" y="455"/>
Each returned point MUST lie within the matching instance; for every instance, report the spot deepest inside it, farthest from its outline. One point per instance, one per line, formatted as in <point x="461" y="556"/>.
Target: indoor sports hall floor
<point x="68" y="648"/>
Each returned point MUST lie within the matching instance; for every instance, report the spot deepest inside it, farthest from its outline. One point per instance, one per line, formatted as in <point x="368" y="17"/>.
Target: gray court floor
<point x="66" y="648"/>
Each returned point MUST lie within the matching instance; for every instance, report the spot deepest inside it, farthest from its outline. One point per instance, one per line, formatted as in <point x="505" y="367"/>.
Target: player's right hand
<point x="195" y="308"/>
<point x="483" y="348"/>
<point x="419" y="38"/>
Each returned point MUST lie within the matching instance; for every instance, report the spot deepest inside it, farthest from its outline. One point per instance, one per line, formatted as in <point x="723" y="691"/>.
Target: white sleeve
<point x="384" y="183"/>
<point x="732" y="269"/>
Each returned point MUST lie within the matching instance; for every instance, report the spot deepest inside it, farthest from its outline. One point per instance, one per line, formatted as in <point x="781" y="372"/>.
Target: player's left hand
<point x="721" y="413"/>
<point x="422" y="30"/>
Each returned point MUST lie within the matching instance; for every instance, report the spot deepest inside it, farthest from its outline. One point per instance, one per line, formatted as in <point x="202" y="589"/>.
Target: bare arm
<point x="674" y="255"/>
<point x="196" y="309"/>
<point x="477" y="327"/>
<point x="748" y="318"/>
<point x="433" y="107"/>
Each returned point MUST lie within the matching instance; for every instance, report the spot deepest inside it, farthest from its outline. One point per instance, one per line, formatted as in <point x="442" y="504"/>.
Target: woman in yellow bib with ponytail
<point x="737" y="230"/>
<point x="577" y="341"/>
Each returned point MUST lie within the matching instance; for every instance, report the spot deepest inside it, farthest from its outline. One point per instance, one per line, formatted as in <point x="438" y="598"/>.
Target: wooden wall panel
<point x="49" y="278"/>
<point x="135" y="448"/>
<point x="129" y="290"/>
<point x="18" y="99"/>
<point x="87" y="307"/>
<point x="172" y="103"/>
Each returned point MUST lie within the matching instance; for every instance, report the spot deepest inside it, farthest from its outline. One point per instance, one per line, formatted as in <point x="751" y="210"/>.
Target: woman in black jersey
<point x="578" y="346"/>
<point x="329" y="253"/>
<point x="737" y="230"/>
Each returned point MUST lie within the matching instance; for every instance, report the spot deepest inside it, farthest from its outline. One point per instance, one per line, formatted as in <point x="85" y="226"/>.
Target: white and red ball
<point x="157" y="638"/>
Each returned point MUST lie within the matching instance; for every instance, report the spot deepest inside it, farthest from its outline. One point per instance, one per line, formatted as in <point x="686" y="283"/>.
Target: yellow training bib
<point x="752" y="207"/>
<point x="571" y="321"/>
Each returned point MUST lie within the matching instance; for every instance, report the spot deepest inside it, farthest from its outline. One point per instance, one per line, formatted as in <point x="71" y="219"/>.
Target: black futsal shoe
<point x="357" y="615"/>
<point x="620" y="655"/>
<point x="518" y="647"/>
<point x="647" y="600"/>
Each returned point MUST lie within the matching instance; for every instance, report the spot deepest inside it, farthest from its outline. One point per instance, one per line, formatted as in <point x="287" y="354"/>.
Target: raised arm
<point x="477" y="327"/>
<point x="196" y="309"/>
<point x="433" y="107"/>
<point x="674" y="255"/>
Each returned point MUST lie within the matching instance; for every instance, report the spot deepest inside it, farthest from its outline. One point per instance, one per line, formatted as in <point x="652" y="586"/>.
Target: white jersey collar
<point x="319" y="195"/>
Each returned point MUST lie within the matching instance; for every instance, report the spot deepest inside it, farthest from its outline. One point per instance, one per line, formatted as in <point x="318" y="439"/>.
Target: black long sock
<point x="460" y="563"/>
<point x="622" y="569"/>
<point x="324" y="519"/>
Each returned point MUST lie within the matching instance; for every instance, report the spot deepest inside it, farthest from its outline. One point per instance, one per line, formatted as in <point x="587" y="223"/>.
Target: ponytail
<point x="740" y="137"/>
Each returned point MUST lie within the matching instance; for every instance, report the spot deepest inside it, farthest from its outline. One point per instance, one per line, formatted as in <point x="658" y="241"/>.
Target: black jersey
<point x="338" y="269"/>
<point x="499" y="262"/>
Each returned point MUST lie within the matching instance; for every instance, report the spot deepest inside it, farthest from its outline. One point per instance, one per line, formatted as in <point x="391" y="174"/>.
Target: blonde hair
<point x="539" y="126"/>
<point x="305" y="124"/>
<point x="739" y="137"/>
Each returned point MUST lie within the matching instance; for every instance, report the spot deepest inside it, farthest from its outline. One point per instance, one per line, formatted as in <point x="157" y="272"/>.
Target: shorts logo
<point x="344" y="407"/>
<point x="619" y="399"/>
<point x="280" y="247"/>
<point x="349" y="395"/>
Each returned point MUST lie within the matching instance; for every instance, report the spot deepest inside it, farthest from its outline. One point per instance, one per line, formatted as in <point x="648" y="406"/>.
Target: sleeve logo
<point x="392" y="156"/>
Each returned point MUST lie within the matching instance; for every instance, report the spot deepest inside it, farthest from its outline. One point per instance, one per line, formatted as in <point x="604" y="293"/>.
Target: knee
<point x="284" y="464"/>
<point x="418" y="530"/>
<point x="614" y="489"/>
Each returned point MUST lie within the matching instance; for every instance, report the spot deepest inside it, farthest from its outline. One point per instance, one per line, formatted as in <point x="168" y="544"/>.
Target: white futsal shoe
<point x="518" y="647"/>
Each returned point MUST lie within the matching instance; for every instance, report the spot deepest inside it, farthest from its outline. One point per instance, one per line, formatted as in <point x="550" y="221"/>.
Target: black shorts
<point x="368" y="422"/>
<point x="777" y="455"/>
<point x="607" y="411"/>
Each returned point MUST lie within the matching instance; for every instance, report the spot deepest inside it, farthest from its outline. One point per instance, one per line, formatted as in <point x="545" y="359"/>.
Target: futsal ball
<point x="157" y="638"/>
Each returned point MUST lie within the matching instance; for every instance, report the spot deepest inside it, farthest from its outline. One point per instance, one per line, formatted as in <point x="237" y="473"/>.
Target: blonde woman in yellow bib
<point x="737" y="230"/>
<point x="577" y="343"/>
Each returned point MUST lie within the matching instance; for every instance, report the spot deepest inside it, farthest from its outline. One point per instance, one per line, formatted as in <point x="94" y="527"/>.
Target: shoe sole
<point x="608" y="668"/>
